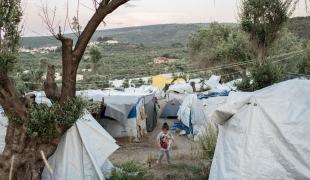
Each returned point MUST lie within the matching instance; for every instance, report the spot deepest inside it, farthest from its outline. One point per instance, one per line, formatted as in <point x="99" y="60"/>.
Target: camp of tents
<point x="125" y="113"/>
<point x="261" y="135"/>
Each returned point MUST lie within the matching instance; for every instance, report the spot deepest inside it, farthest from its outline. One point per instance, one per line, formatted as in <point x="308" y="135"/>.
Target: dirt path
<point x="147" y="150"/>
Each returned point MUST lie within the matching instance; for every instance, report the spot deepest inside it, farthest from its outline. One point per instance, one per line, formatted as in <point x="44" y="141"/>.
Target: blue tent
<point x="171" y="109"/>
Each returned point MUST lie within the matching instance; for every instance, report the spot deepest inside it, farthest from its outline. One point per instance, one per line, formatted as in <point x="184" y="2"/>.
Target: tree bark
<point x="28" y="163"/>
<point x="49" y="86"/>
<point x="70" y="67"/>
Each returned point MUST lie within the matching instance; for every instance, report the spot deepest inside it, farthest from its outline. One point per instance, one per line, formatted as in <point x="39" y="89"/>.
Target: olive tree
<point x="95" y="56"/>
<point x="220" y="44"/>
<point x="262" y="20"/>
<point x="33" y="129"/>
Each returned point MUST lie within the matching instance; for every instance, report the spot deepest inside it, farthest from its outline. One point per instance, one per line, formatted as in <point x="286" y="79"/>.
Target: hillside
<point x="154" y="35"/>
<point x="300" y="26"/>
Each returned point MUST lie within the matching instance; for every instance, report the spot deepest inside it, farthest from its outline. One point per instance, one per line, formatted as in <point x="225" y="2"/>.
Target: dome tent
<point x="82" y="152"/>
<point x="171" y="109"/>
<point x="264" y="134"/>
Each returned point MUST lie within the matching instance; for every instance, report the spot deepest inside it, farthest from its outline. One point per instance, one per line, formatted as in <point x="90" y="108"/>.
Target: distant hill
<point x="300" y="26"/>
<point x="160" y="35"/>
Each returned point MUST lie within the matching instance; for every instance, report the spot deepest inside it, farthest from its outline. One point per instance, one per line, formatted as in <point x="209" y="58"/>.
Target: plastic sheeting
<point x="212" y="94"/>
<point x="197" y="113"/>
<point x="171" y="109"/>
<point x="82" y="152"/>
<point x="119" y="107"/>
<point x="41" y="98"/>
<point x="265" y="134"/>
<point x="3" y="126"/>
<point x="180" y="88"/>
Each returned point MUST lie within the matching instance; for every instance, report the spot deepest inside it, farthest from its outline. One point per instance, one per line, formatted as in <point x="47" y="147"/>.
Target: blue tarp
<point x="180" y="125"/>
<point x="213" y="94"/>
<point x="133" y="111"/>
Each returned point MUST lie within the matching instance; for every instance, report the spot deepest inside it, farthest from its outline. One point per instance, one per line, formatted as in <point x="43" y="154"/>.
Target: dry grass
<point x="208" y="142"/>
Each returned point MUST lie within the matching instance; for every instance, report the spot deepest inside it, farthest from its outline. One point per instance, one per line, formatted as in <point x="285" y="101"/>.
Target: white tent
<point x="82" y="152"/>
<point x="41" y="98"/>
<point x="198" y="112"/>
<point x="178" y="91"/>
<point x="119" y="106"/>
<point x="265" y="134"/>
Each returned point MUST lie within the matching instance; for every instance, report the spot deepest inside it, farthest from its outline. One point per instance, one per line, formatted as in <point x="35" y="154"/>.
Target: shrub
<point x="261" y="76"/>
<point x="45" y="120"/>
<point x="304" y="65"/>
<point x="130" y="170"/>
<point x="245" y="84"/>
<point x="265" y="75"/>
<point x="208" y="142"/>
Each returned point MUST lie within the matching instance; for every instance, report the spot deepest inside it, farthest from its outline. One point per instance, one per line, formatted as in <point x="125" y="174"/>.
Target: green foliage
<point x="245" y="84"/>
<point x="304" y="64"/>
<point x="95" y="55"/>
<point x="125" y="83"/>
<point x="93" y="107"/>
<point x="219" y="44"/>
<point x="45" y="120"/>
<point x="262" y="20"/>
<point x="300" y="27"/>
<point x="208" y="142"/>
<point x="265" y="75"/>
<point x="130" y="170"/>
<point x="104" y="39"/>
<point x="137" y="82"/>
<point x="7" y="61"/>
<point x="9" y="33"/>
<point x="262" y="76"/>
<point x="21" y="87"/>
<point x="285" y="43"/>
<point x="10" y="11"/>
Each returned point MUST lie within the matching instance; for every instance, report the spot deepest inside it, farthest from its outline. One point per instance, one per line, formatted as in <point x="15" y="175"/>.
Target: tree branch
<point x="9" y="98"/>
<point x="105" y="7"/>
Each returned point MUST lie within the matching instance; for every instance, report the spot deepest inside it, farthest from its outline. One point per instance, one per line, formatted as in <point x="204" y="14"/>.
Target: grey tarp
<point x="171" y="109"/>
<point x="118" y="107"/>
<point x="151" y="112"/>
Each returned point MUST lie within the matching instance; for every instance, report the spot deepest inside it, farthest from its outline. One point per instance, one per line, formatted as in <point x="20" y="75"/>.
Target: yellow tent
<point x="160" y="81"/>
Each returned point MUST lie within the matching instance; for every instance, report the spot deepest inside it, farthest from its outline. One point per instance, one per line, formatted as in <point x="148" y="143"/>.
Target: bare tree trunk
<point x="70" y="67"/>
<point x="28" y="163"/>
<point x="49" y="86"/>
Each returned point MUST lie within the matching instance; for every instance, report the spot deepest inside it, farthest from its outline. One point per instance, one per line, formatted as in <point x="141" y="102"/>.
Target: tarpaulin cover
<point x="82" y="152"/>
<point x="264" y="135"/>
<point x="213" y="94"/>
<point x="119" y="107"/>
<point x="180" y="125"/>
<point x="171" y="109"/>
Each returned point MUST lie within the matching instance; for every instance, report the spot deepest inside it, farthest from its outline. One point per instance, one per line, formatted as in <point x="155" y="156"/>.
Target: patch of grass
<point x="130" y="170"/>
<point x="188" y="171"/>
<point x="208" y="142"/>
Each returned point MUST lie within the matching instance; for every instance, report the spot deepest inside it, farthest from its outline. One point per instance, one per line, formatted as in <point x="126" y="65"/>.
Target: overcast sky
<point x="137" y="13"/>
